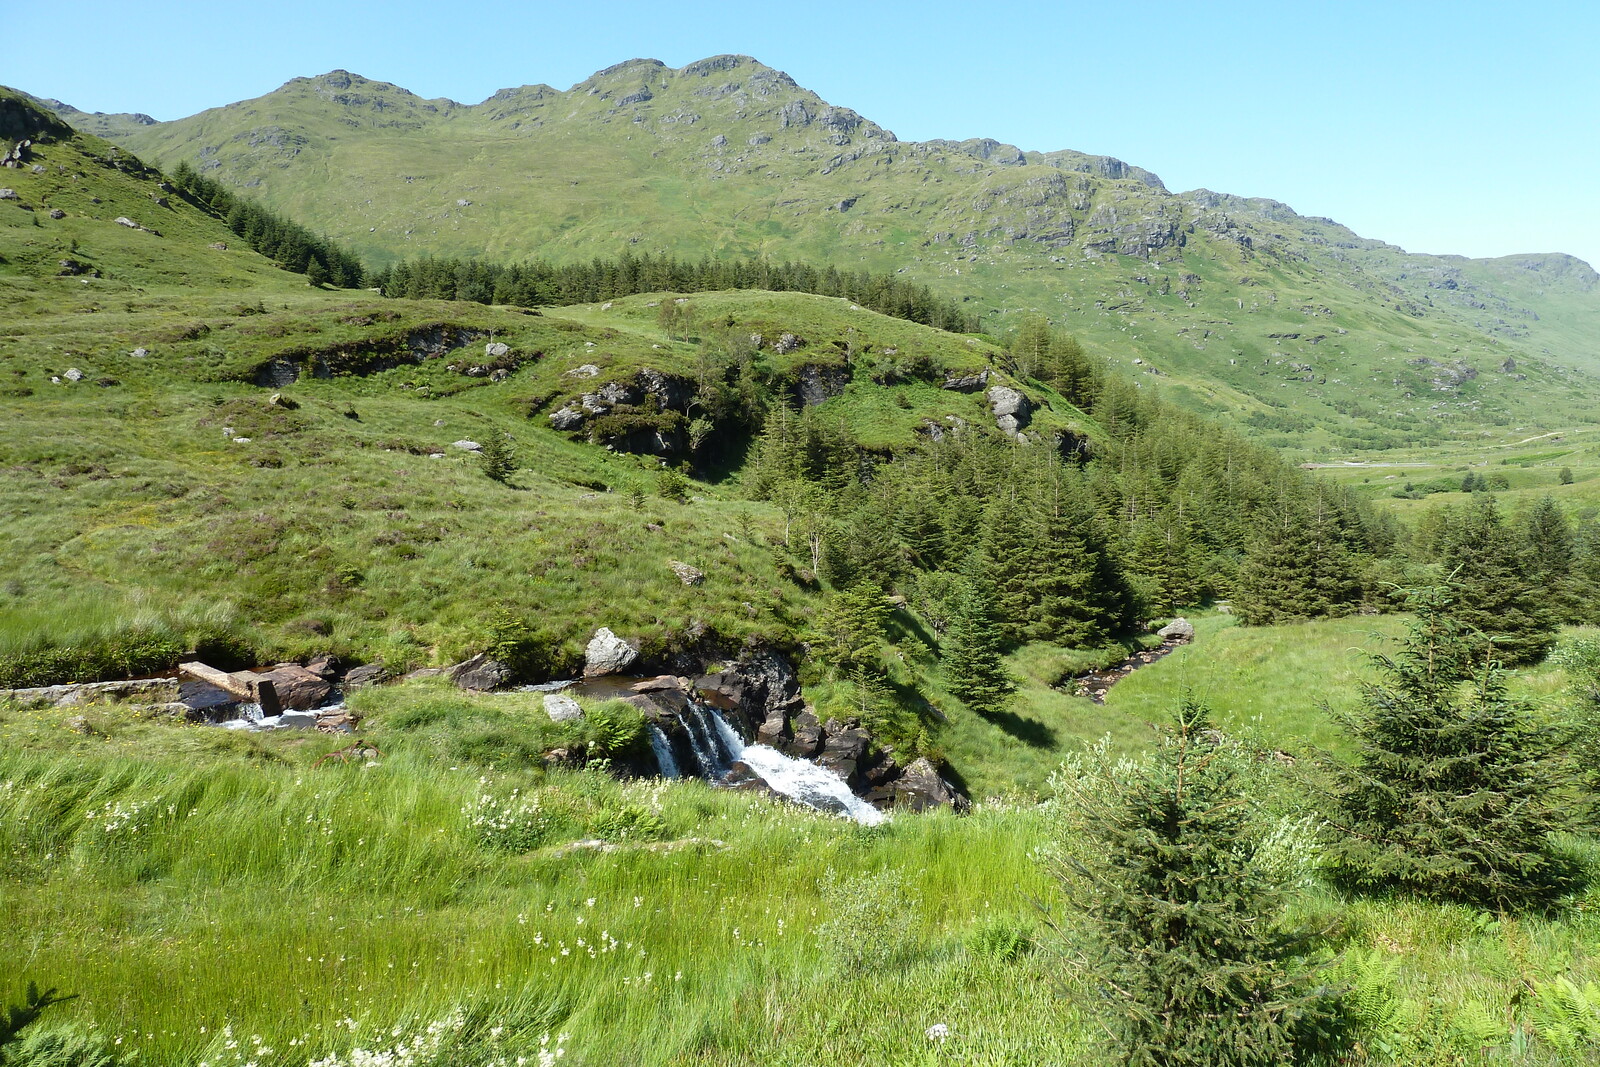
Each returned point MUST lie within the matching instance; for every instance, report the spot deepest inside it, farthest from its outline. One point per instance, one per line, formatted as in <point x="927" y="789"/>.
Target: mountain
<point x="1293" y="327"/>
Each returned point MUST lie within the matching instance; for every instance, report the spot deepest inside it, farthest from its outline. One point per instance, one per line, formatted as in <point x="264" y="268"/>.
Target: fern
<point x="1567" y="1015"/>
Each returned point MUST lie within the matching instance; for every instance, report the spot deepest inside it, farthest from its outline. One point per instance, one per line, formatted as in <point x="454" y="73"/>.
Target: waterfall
<point x="704" y="745"/>
<point x="663" y="750"/>
<point x="800" y="780"/>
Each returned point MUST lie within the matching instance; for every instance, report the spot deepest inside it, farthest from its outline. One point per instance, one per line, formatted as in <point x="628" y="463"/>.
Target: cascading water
<point x="800" y="780"/>
<point x="663" y="750"/>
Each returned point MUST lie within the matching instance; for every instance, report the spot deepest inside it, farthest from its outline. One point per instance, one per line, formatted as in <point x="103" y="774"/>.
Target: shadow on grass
<point x="1030" y="732"/>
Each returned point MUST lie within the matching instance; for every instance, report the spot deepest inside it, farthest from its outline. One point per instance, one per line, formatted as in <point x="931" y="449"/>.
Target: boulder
<point x="844" y="753"/>
<point x="567" y="419"/>
<point x="73" y="374"/>
<point x="368" y="674"/>
<point x="8" y="194"/>
<point x="480" y="673"/>
<point x="1012" y="411"/>
<point x="658" y="683"/>
<point x="324" y="666"/>
<point x="297" y="720"/>
<point x="607" y="654"/>
<point x="1179" y="629"/>
<point x="298" y="689"/>
<point x="467" y="446"/>
<point x="57" y="213"/>
<point x="562" y="708"/>
<point x="123" y="220"/>
<point x="686" y="574"/>
<point x="588" y="370"/>
<point x="808" y="736"/>
<point x="496" y="349"/>
<point x="919" y="788"/>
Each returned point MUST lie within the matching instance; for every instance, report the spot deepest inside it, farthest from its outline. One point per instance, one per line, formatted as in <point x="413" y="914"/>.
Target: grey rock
<point x="73" y="374"/>
<point x="686" y="574"/>
<point x="8" y="194"/>
<point x="817" y="384"/>
<point x="481" y="673"/>
<point x="57" y="213"/>
<point x="139" y="353"/>
<point x="1012" y="411"/>
<point x="297" y="720"/>
<point x="363" y="676"/>
<point x="562" y="708"/>
<point x="607" y="654"/>
<point x="467" y="446"/>
<point x="496" y="349"/>
<point x="123" y="220"/>
<point x="588" y="370"/>
<point x="218" y="246"/>
<point x="968" y="383"/>
<point x="1179" y="629"/>
<point x="567" y="419"/>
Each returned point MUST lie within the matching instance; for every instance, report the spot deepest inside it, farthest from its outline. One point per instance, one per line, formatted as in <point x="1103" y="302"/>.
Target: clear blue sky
<point x="1468" y="127"/>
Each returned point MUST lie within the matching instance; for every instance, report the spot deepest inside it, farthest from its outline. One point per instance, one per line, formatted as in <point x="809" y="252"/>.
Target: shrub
<point x="531" y="654"/>
<point x="870" y="918"/>
<point x="614" y="728"/>
<point x="1178" y="920"/>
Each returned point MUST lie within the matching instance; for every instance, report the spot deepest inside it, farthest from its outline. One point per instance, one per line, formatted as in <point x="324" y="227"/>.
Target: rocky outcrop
<point x="645" y="414"/>
<point x="298" y="688"/>
<point x="1012" y="410"/>
<point x="814" y="384"/>
<point x="967" y="383"/>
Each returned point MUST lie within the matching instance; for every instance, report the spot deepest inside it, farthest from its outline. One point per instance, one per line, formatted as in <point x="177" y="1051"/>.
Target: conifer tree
<point x="1298" y="568"/>
<point x="1492" y="589"/>
<point x="498" y="461"/>
<point x="1179" y="915"/>
<point x="1550" y="546"/>
<point x="974" y="669"/>
<point x="1455" y="790"/>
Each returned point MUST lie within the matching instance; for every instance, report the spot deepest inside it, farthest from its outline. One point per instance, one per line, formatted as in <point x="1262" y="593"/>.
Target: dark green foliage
<point x="1177" y="913"/>
<point x="1456" y="788"/>
<point x="1492" y="585"/>
<point x="126" y="654"/>
<point x="1298" y="568"/>
<point x="614" y="728"/>
<point x="295" y="248"/>
<point x="542" y="282"/>
<point x="1550" y="547"/>
<point x="499" y="463"/>
<point x="18" y="1016"/>
<point x="532" y="655"/>
<point x="672" y="485"/>
<point x="849" y="627"/>
<point x="1565" y="477"/>
<point x="973" y="667"/>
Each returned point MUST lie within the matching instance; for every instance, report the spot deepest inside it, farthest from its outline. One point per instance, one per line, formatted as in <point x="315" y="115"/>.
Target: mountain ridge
<point x="1231" y="301"/>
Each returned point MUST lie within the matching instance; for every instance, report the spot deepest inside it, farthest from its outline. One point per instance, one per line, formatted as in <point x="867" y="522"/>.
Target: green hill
<point x="1294" y="328"/>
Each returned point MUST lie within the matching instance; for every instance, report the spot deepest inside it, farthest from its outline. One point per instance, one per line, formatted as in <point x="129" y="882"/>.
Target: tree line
<point x="293" y="247"/>
<point x="542" y="282"/>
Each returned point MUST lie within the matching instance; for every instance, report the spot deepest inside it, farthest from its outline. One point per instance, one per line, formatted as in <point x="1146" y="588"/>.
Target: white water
<point x="799" y="780"/>
<point x="251" y="719"/>
<point x="663" y="750"/>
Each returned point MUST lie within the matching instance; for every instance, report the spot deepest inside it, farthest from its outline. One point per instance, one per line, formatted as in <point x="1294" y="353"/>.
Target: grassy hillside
<point x="1294" y="328"/>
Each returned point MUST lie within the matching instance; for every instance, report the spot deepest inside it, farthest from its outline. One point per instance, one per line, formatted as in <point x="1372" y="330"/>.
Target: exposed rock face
<point x="1012" y="410"/>
<point x="607" y="654"/>
<point x="480" y="673"/>
<point x="968" y="383"/>
<point x="919" y="788"/>
<point x="816" y="384"/>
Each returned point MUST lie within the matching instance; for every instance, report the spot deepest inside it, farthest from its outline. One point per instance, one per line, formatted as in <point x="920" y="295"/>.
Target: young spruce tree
<point x="974" y="669"/>
<point x="1177" y="911"/>
<point x="1494" y="591"/>
<point x="1455" y="790"/>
